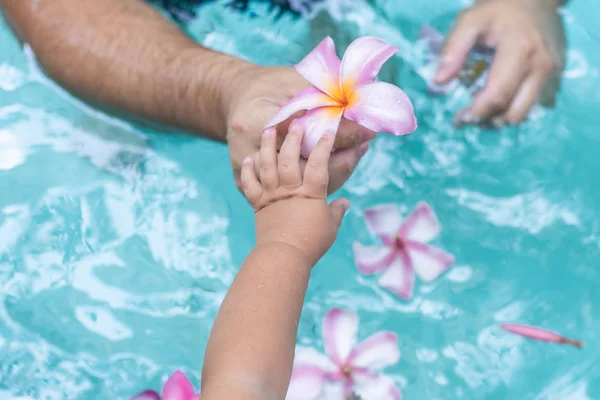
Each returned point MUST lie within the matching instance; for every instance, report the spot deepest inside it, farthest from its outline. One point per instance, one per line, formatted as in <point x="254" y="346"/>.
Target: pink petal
<point x="321" y="67"/>
<point x="306" y="383"/>
<point x="363" y="60"/>
<point x="384" y="221"/>
<point x="307" y="99"/>
<point x="376" y="386"/>
<point x="316" y="123"/>
<point x="377" y="351"/>
<point x="421" y="225"/>
<point x="433" y="38"/>
<point x="146" y="395"/>
<point x="428" y="262"/>
<point x="334" y="391"/>
<point x="540" y="334"/>
<point x="348" y="387"/>
<point x="399" y="278"/>
<point x="339" y="334"/>
<point x="309" y="356"/>
<point x="381" y="107"/>
<point x="372" y="259"/>
<point x="178" y="387"/>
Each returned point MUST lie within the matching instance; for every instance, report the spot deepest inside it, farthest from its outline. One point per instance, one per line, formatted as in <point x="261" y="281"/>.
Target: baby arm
<point x="250" y="351"/>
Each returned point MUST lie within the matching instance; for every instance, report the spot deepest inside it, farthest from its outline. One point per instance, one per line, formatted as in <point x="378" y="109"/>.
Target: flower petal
<point x="384" y="221"/>
<point x="381" y="107"/>
<point x="376" y="386"/>
<point x="428" y="262"/>
<point x="321" y="67"/>
<point x="363" y="60"/>
<point x="306" y="383"/>
<point x="399" y="278"/>
<point x="377" y="351"/>
<point x="316" y="123"/>
<point x="311" y="357"/>
<point x="307" y="99"/>
<point x="372" y="259"/>
<point x="539" y="334"/>
<point x="146" y="395"/>
<point x="178" y="387"/>
<point x="421" y="225"/>
<point x="339" y="334"/>
<point x="334" y="390"/>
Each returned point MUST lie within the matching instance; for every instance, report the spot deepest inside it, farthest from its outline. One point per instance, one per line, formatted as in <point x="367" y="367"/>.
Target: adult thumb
<point x="338" y="209"/>
<point x="459" y="43"/>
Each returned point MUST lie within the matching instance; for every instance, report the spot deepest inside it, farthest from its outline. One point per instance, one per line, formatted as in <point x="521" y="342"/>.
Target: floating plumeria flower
<point x="177" y="387"/>
<point x="404" y="251"/>
<point x="347" y="88"/>
<point x="540" y="334"/>
<point x="348" y="369"/>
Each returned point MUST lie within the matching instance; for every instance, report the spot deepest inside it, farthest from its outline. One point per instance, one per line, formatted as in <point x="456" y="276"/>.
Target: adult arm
<point x="126" y="56"/>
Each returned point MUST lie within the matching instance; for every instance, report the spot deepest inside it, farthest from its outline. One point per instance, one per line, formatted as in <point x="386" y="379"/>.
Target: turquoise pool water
<point x="118" y="243"/>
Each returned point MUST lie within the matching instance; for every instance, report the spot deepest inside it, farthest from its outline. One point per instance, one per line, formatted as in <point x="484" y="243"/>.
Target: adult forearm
<point x="250" y="351"/>
<point x="126" y="56"/>
<point x="538" y="3"/>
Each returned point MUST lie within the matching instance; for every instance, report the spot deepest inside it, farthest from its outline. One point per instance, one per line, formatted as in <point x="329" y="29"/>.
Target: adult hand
<point x="529" y="41"/>
<point x="259" y="94"/>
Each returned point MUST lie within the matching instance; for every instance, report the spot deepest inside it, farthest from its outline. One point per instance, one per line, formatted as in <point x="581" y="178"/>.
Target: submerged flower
<point x="540" y="334"/>
<point x="473" y="74"/>
<point x="347" y="88"/>
<point x="177" y="387"/>
<point x="348" y="369"/>
<point x="404" y="251"/>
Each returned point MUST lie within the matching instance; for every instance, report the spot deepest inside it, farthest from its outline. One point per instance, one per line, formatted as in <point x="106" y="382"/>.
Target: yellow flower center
<point x="347" y="370"/>
<point x="344" y="96"/>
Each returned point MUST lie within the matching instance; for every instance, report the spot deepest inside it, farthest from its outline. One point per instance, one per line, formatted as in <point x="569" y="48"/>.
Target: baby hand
<point x="291" y="207"/>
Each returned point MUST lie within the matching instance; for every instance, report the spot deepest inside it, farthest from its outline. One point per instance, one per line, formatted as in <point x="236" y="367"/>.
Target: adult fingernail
<point x="498" y="122"/>
<point x="439" y="76"/>
<point x="465" y="117"/>
<point x="268" y="131"/>
<point x="363" y="148"/>
<point x="247" y="160"/>
<point x="442" y="73"/>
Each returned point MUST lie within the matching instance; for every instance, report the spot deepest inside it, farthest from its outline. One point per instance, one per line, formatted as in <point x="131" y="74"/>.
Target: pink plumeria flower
<point x="348" y="368"/>
<point x="347" y="88"/>
<point x="404" y="249"/>
<point x="177" y="387"/>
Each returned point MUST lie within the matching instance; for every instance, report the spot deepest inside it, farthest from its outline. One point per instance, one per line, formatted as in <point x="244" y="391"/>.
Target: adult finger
<point x="525" y="99"/>
<point x="289" y="157"/>
<point x="509" y="69"/>
<point x="268" y="160"/>
<point x="316" y="174"/>
<point x="250" y="185"/>
<point x="338" y="209"/>
<point x="351" y="134"/>
<point x="459" y="43"/>
<point x="342" y="163"/>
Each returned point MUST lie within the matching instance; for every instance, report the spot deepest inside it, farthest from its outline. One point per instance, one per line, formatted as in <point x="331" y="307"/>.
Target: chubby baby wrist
<point x="290" y="249"/>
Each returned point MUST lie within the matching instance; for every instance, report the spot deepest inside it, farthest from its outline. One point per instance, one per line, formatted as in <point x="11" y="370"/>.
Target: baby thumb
<point x="338" y="209"/>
